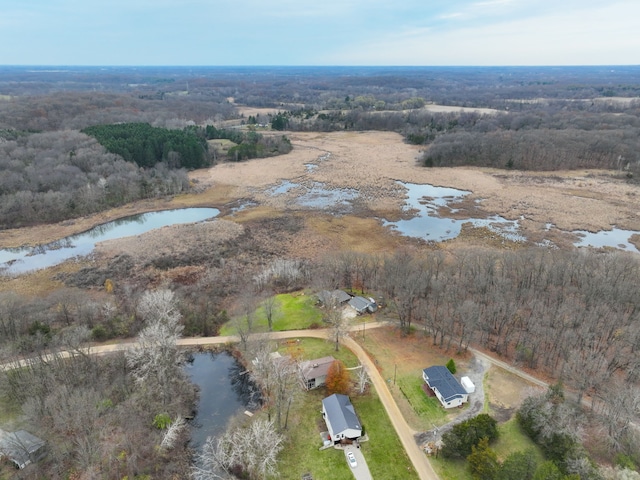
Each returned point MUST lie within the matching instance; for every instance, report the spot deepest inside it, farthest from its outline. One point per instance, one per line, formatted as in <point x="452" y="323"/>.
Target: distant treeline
<point x="542" y="137"/>
<point x="146" y="145"/>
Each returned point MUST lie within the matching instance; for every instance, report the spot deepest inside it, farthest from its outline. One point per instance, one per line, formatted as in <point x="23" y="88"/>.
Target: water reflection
<point x="226" y="390"/>
<point x="427" y="202"/>
<point x="20" y="260"/>
<point x="615" y="238"/>
<point x="318" y="195"/>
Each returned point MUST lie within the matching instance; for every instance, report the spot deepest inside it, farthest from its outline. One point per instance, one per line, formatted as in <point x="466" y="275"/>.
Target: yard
<point x="384" y="453"/>
<point x="511" y="439"/>
<point x="401" y="360"/>
<point x="292" y="311"/>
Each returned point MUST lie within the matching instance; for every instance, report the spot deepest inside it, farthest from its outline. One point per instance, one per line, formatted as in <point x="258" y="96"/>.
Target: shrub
<point x="451" y="366"/>
<point x="459" y="441"/>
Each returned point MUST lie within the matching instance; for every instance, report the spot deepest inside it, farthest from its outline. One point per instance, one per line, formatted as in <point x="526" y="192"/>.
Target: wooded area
<point x="572" y="315"/>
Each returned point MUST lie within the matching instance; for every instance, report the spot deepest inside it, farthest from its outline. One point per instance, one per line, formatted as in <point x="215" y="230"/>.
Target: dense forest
<point x="147" y="146"/>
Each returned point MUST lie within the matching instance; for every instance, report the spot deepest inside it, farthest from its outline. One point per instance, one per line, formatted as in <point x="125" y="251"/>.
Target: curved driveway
<point x="405" y="433"/>
<point x="417" y="457"/>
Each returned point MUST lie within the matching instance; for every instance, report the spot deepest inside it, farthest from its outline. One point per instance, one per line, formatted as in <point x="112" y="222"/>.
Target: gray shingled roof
<point x="361" y="304"/>
<point x="316" y="368"/>
<point x="341" y="413"/>
<point x="19" y="446"/>
<point x="334" y="297"/>
<point x="440" y="378"/>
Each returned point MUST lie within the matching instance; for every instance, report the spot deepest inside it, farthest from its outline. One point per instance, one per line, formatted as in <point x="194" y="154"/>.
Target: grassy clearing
<point x="451" y="469"/>
<point x="427" y="408"/>
<point x="384" y="453"/>
<point x="310" y="348"/>
<point x="512" y="439"/>
<point x="404" y="358"/>
<point x="9" y="411"/>
<point x="294" y="311"/>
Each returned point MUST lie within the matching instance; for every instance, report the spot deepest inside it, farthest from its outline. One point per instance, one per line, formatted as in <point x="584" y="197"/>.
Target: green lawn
<point x="310" y="348"/>
<point x="384" y="453"/>
<point x="293" y="311"/>
<point x="427" y="408"/>
<point x="9" y="410"/>
<point x="511" y="439"/>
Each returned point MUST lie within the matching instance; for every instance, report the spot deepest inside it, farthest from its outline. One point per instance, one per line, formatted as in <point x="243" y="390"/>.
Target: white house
<point x="341" y="419"/>
<point x="445" y="386"/>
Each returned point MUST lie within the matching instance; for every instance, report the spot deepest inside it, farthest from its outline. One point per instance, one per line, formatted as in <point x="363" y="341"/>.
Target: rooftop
<point x="441" y="379"/>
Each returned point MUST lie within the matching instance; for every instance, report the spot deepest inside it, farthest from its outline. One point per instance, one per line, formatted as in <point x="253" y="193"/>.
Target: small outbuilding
<point x="467" y="384"/>
<point x="21" y="447"/>
<point x="445" y="386"/>
<point x="314" y="372"/>
<point x="341" y="419"/>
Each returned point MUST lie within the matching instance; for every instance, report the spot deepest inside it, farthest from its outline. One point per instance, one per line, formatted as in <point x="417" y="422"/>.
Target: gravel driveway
<point x="476" y="371"/>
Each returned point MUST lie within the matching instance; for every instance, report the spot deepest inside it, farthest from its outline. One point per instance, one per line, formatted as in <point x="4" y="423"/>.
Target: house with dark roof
<point x="314" y="372"/>
<point x="363" y="305"/>
<point x="445" y="386"/>
<point x="21" y="447"/>
<point x="341" y="419"/>
<point x="333" y="298"/>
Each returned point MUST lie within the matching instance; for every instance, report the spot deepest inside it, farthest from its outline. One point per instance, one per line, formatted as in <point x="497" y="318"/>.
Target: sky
<point x="320" y="32"/>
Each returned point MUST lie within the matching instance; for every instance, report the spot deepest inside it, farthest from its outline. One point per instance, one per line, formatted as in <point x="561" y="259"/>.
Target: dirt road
<point x="405" y="433"/>
<point x="418" y="458"/>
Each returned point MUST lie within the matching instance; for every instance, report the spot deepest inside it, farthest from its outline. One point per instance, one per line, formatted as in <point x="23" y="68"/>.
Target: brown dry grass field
<point x="372" y="163"/>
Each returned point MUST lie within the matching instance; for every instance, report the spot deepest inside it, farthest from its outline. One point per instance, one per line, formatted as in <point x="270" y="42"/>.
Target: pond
<point x="614" y="238"/>
<point x="14" y="261"/>
<point x="226" y="390"/>
<point x="317" y="195"/>
<point x="424" y="201"/>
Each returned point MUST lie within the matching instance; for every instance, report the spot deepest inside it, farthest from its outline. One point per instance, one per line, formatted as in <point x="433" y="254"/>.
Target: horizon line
<point x="315" y="66"/>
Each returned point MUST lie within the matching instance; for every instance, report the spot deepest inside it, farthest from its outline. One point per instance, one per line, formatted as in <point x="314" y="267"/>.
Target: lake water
<point x="14" y="261"/>
<point x="424" y="202"/>
<point x="225" y="392"/>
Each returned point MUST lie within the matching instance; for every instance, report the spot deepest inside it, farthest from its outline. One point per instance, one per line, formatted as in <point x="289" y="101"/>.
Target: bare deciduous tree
<point x="155" y="359"/>
<point x="363" y="379"/>
<point x="253" y="449"/>
<point x="337" y="320"/>
<point x="271" y="310"/>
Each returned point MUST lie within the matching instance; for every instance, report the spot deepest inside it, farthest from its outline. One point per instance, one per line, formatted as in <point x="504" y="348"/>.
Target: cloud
<point x="295" y="32"/>
<point x="601" y="35"/>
